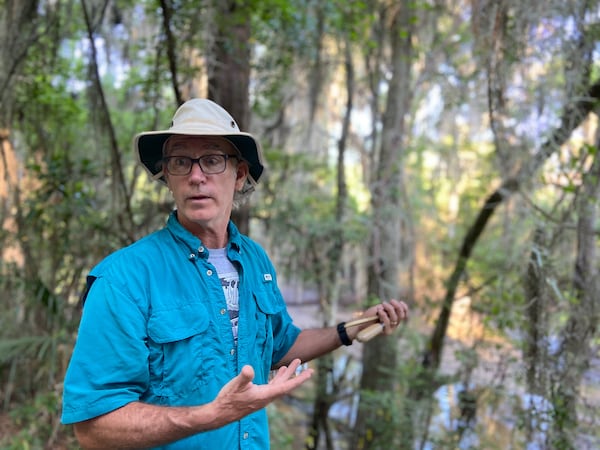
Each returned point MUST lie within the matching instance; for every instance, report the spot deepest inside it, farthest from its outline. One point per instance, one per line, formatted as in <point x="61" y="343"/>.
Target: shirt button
<point x="209" y="272"/>
<point x="246" y="435"/>
<point x="201" y="250"/>
<point x="223" y="311"/>
<point x="232" y="351"/>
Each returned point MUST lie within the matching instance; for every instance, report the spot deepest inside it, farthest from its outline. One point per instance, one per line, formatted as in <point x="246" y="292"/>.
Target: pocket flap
<point x="267" y="302"/>
<point x="178" y="323"/>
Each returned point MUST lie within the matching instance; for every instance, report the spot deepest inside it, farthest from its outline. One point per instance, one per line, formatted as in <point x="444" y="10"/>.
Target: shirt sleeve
<point x="285" y="333"/>
<point x="109" y="364"/>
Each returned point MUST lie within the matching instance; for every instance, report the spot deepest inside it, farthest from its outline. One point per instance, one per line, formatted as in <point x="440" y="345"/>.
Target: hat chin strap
<point x="158" y="176"/>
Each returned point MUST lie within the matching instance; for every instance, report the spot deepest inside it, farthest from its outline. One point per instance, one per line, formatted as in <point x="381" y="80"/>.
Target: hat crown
<point x="202" y="115"/>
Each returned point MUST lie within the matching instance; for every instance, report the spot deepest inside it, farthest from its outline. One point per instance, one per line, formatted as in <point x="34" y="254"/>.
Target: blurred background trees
<point x="444" y="152"/>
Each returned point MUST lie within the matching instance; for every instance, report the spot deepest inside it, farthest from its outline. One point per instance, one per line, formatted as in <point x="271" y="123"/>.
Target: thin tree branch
<point x="167" y="10"/>
<point x="105" y="114"/>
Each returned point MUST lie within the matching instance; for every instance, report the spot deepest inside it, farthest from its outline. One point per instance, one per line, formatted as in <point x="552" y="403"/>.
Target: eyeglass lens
<point x="209" y="164"/>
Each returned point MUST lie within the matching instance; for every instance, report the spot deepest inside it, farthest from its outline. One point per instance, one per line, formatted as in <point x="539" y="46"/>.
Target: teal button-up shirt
<point x="155" y="328"/>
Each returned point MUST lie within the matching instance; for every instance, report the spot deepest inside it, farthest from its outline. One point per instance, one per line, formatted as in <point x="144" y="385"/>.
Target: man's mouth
<point x="198" y="197"/>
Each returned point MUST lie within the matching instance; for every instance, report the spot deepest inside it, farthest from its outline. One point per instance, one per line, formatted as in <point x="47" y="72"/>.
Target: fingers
<point x="290" y="376"/>
<point x="400" y="308"/>
<point x="285" y="372"/>
<point x="391" y="314"/>
<point x="240" y="396"/>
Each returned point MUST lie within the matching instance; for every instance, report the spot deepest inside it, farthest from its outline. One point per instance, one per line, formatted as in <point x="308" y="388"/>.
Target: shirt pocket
<point x="267" y="302"/>
<point x="268" y="306"/>
<point x="180" y="356"/>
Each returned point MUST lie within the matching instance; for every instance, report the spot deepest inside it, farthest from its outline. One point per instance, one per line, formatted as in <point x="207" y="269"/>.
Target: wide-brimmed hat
<point x="198" y="117"/>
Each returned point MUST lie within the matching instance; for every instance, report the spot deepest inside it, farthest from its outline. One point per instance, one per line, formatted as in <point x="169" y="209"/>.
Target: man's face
<point x="204" y="201"/>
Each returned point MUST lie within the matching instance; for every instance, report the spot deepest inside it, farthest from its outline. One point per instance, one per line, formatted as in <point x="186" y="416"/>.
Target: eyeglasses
<point x="209" y="164"/>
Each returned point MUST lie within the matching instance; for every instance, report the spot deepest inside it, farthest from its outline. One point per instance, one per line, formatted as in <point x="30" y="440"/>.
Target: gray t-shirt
<point x="229" y="281"/>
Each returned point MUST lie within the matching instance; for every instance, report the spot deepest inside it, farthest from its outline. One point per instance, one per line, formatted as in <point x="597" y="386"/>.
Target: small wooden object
<point x="368" y="333"/>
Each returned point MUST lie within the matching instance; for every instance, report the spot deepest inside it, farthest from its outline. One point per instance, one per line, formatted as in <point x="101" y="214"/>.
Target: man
<point x="181" y="329"/>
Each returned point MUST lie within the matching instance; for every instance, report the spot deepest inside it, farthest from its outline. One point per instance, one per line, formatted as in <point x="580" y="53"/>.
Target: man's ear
<point x="242" y="172"/>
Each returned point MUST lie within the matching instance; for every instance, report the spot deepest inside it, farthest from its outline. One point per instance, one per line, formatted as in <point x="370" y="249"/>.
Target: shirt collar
<point x="194" y="244"/>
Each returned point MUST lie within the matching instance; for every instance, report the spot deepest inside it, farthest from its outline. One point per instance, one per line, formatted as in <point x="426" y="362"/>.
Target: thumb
<point x="245" y="377"/>
<point x="247" y="373"/>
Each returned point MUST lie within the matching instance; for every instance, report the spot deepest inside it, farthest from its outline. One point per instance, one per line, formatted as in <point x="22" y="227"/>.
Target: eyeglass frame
<point x="225" y="156"/>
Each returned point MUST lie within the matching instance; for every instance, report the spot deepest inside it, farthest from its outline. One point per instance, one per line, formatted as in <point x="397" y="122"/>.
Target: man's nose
<point x="196" y="171"/>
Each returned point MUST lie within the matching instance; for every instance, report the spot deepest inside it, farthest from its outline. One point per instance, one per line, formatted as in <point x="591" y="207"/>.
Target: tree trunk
<point x="17" y="35"/>
<point x="327" y="390"/>
<point x="580" y="330"/>
<point x="229" y="75"/>
<point x="388" y="237"/>
<point x="18" y="22"/>
<point x="536" y="317"/>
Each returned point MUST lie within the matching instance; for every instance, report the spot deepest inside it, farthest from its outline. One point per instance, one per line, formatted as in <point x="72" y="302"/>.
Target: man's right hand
<point x="240" y="396"/>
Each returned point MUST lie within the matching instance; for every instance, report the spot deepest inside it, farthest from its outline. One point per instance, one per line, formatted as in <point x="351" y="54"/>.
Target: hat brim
<point x="149" y="149"/>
